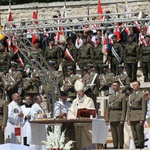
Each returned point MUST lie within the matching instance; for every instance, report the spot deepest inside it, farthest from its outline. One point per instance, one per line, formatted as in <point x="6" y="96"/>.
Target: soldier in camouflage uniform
<point x="68" y="85"/>
<point x="12" y="80"/>
<point x="145" y="58"/>
<point x="4" y="58"/>
<point x="131" y="57"/>
<point x="98" y="56"/>
<point x="119" y="50"/>
<point x="73" y="51"/>
<point x="52" y="53"/>
<point x="85" y="53"/>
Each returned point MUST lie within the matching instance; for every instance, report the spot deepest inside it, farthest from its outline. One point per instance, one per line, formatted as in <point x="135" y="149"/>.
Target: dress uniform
<point x="131" y="58"/>
<point x="13" y="79"/>
<point x="3" y="119"/>
<point x="106" y="79"/>
<point x="123" y="79"/>
<point x="92" y="84"/>
<point x="116" y="112"/>
<point x="52" y="53"/>
<point x="73" y="52"/>
<point x="136" y="114"/>
<point x="4" y="57"/>
<point x="85" y="53"/>
<point x="68" y="85"/>
<point x="144" y="58"/>
<point x="119" y="51"/>
<point x="98" y="56"/>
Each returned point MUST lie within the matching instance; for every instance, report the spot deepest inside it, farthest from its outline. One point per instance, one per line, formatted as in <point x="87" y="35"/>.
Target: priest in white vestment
<point x="83" y="131"/>
<point x="26" y="128"/>
<point x="37" y="110"/>
<point x="14" y="122"/>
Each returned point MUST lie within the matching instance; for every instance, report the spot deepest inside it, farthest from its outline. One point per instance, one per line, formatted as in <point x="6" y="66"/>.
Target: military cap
<point x="14" y="64"/>
<point x="147" y="35"/>
<point x="130" y="35"/>
<point x="70" y="68"/>
<point x="120" y="66"/>
<point x="51" y="63"/>
<point x="63" y="93"/>
<point x="84" y="37"/>
<point x="114" y="36"/>
<point x="105" y="66"/>
<point x="89" y="66"/>
<point x="98" y="37"/>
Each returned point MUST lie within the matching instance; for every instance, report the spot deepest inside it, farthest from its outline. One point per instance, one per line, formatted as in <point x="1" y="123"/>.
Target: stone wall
<point x="46" y="10"/>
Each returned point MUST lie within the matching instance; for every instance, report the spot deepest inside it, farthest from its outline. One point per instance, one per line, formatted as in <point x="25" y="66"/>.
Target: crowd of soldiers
<point x="86" y="49"/>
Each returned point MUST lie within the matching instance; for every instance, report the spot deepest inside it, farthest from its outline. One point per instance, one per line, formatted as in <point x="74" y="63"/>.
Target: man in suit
<point x="3" y="119"/>
<point x="136" y="113"/>
<point x="116" y="113"/>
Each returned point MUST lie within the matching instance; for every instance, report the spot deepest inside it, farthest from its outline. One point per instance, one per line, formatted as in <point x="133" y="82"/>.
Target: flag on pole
<point x="68" y="55"/>
<point x="99" y="10"/>
<point x="9" y="15"/>
<point x="117" y="31"/>
<point x="35" y="15"/>
<point x="20" y="60"/>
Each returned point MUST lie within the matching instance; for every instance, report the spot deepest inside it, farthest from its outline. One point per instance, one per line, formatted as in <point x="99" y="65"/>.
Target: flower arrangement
<point x="56" y="141"/>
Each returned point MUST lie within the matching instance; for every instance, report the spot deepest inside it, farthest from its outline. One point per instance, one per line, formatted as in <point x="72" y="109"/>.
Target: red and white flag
<point x="117" y="31"/>
<point x="99" y="10"/>
<point x="9" y="15"/>
<point x="20" y="60"/>
<point x="68" y="55"/>
<point x="35" y="16"/>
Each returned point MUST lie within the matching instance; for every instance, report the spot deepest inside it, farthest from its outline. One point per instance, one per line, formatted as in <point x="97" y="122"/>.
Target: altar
<point x="99" y="129"/>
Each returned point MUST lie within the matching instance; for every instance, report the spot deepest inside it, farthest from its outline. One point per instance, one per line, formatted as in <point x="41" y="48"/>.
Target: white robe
<point x="86" y="102"/>
<point x="82" y="131"/>
<point x="36" y="109"/>
<point x="60" y="108"/>
<point x="14" y="121"/>
<point x="26" y="128"/>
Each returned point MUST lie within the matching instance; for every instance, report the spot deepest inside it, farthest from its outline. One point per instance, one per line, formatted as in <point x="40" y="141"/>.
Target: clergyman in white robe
<point x="83" y="131"/>
<point x="14" y="122"/>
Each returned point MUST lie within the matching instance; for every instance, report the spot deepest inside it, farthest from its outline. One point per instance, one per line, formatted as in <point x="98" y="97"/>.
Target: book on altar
<point x="86" y="113"/>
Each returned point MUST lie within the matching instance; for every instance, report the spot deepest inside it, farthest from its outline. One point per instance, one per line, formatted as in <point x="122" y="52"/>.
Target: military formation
<point x="82" y="58"/>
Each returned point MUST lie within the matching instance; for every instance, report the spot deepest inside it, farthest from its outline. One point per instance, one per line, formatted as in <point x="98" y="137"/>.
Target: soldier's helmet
<point x="114" y="36"/>
<point x="98" y="37"/>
